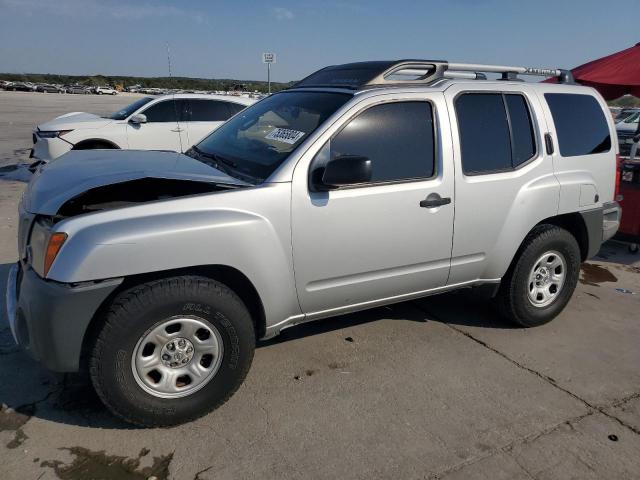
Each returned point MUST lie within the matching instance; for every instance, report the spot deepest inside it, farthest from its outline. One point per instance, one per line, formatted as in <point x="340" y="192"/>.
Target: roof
<point x="371" y="74"/>
<point x="206" y="96"/>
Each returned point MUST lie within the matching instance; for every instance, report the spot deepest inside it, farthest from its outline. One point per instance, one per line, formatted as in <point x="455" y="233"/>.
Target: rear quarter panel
<point x="583" y="177"/>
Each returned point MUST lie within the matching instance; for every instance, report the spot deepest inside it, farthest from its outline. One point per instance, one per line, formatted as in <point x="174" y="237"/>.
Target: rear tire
<point x="144" y="326"/>
<point x="542" y="278"/>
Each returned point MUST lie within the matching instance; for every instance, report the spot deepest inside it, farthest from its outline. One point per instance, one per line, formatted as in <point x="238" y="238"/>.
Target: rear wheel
<point x="543" y="277"/>
<point x="172" y="350"/>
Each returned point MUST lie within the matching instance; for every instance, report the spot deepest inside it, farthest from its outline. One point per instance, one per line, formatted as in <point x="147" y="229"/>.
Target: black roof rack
<point x="361" y="75"/>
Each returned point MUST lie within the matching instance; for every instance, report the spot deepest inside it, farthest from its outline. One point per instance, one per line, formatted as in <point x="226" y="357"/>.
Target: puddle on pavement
<point x="12" y="420"/>
<point x="17" y="172"/>
<point x="99" y="465"/>
<point x="595" y="274"/>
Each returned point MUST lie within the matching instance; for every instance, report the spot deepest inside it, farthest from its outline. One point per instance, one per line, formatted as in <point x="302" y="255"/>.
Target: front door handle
<point x="434" y="200"/>
<point x="177" y="129"/>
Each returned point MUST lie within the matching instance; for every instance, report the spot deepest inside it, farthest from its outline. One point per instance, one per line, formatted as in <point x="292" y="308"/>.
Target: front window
<point x="129" y="109"/>
<point x="256" y="142"/>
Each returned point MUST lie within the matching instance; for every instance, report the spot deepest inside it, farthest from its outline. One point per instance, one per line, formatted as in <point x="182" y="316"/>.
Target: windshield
<point x="256" y="141"/>
<point x="633" y="118"/>
<point x="129" y="109"/>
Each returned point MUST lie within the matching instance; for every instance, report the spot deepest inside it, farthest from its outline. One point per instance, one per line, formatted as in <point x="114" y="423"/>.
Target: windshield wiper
<point x="226" y="165"/>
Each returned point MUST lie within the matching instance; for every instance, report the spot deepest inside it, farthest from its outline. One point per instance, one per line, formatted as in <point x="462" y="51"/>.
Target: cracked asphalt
<point x="436" y="388"/>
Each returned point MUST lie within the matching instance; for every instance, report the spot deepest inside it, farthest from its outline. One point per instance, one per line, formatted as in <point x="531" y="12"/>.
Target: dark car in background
<point x="77" y="89"/>
<point x="20" y="87"/>
<point x="44" y="88"/>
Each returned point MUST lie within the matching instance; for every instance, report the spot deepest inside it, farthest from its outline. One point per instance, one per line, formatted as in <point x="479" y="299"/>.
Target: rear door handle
<point x="548" y="141"/>
<point x="434" y="200"/>
<point x="177" y="130"/>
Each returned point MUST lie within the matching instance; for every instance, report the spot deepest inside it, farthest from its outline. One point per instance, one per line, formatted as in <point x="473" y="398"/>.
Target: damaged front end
<point x="134" y="192"/>
<point x="96" y="180"/>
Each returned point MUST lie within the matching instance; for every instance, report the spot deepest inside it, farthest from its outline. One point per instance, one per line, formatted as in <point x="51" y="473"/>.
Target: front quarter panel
<point x="247" y="229"/>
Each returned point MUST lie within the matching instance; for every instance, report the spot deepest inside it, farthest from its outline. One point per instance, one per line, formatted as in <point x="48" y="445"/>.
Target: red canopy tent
<point x="613" y="76"/>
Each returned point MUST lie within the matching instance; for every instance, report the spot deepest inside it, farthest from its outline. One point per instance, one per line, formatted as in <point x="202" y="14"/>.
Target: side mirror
<point x="138" y="118"/>
<point x="345" y="170"/>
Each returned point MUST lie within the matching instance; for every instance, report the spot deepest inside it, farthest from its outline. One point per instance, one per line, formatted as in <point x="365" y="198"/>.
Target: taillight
<point x="53" y="247"/>
<point x="618" y="197"/>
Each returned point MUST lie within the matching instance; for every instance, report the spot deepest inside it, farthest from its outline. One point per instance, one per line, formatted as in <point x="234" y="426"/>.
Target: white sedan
<point x="169" y="122"/>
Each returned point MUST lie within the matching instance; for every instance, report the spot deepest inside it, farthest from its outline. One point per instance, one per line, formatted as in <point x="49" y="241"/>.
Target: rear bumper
<point x="49" y="319"/>
<point x="611" y="215"/>
<point x="602" y="224"/>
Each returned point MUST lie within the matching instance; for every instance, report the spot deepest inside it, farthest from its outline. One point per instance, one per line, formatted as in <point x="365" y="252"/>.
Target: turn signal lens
<point x="53" y="247"/>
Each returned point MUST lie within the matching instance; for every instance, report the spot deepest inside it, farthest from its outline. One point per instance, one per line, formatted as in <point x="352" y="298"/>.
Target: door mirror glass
<point x="138" y="118"/>
<point x="345" y="170"/>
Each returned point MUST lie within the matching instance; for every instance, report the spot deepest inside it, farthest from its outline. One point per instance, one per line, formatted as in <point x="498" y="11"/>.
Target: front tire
<point x="172" y="350"/>
<point x="540" y="282"/>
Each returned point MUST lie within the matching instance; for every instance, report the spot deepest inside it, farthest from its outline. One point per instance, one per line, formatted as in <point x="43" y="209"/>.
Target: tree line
<point x="181" y="83"/>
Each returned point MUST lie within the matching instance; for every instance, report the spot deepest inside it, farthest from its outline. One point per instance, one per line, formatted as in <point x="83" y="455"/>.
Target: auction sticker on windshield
<point x="285" y="135"/>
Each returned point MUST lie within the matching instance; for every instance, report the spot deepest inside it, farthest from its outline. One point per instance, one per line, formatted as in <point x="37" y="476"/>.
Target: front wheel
<point x="172" y="350"/>
<point x="542" y="279"/>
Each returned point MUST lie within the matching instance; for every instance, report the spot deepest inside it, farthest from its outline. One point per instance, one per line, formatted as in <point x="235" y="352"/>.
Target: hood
<point x="78" y="171"/>
<point x="75" y="120"/>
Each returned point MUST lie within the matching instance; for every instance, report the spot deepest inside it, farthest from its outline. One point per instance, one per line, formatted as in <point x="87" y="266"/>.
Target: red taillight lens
<point x="618" y="197"/>
<point x="53" y="247"/>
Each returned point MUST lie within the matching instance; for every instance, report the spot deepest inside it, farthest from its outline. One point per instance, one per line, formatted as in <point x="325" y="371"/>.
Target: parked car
<point x="626" y="113"/>
<point x="626" y="130"/>
<point x="78" y="89"/>
<point x="21" y="87"/>
<point x="105" y="91"/>
<point x="160" y="269"/>
<point x="172" y="122"/>
<point x="44" y="88"/>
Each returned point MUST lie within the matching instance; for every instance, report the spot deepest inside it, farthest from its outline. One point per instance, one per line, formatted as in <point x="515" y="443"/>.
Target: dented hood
<point x="78" y="171"/>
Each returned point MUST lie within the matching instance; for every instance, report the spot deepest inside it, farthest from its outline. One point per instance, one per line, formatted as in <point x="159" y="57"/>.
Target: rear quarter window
<point x="581" y="126"/>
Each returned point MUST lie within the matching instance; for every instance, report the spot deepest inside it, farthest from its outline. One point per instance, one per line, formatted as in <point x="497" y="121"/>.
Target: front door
<point x="372" y="243"/>
<point x="164" y="129"/>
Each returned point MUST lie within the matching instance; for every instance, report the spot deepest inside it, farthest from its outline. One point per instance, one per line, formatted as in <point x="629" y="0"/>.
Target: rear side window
<point x="165" y="111"/>
<point x="209" y="111"/>
<point x="236" y="107"/>
<point x="398" y="138"/>
<point x="580" y="124"/>
<point x="496" y="132"/>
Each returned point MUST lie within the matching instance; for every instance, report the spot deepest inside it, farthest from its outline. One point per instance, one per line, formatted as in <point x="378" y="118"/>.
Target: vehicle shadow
<point x="617" y="252"/>
<point x="30" y="390"/>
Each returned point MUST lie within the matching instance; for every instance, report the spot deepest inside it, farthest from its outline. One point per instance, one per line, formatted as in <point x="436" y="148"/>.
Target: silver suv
<point x="363" y="185"/>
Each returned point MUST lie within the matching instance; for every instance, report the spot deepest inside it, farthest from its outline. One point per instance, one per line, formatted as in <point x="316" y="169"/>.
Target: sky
<point x="216" y="39"/>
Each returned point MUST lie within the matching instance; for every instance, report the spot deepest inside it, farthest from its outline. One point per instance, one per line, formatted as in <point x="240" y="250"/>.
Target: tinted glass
<point x="209" y="111"/>
<point x="484" y="133"/>
<point x="165" y="111"/>
<point x="523" y="143"/>
<point x="396" y="137"/>
<point x="580" y="124"/>
<point x="254" y="143"/>
<point x="126" y="111"/>
<point x="235" y="107"/>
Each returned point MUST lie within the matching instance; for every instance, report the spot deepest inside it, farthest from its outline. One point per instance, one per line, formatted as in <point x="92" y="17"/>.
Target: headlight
<point x="52" y="133"/>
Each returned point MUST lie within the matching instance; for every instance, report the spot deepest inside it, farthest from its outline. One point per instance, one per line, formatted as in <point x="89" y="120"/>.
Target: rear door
<point x="505" y="181"/>
<point x="207" y="115"/>
<point x="165" y="128"/>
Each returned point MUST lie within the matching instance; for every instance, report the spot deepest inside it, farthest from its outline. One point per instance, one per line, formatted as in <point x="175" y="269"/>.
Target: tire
<point x="134" y="316"/>
<point x="531" y="292"/>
